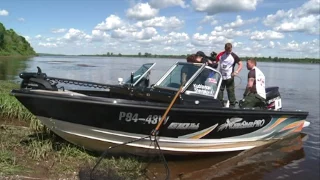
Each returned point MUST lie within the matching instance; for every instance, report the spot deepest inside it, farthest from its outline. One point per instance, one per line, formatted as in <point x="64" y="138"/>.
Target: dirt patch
<point x="26" y="154"/>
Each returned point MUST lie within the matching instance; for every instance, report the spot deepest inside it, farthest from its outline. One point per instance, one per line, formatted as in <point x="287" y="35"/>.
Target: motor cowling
<point x="273" y="98"/>
<point x="38" y="80"/>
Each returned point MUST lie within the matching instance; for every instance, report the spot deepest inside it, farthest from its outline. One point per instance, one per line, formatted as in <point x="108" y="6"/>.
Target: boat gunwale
<point x="152" y="105"/>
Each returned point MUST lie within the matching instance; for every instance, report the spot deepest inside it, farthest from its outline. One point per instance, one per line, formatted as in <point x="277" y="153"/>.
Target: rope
<point x="154" y="133"/>
<point x="239" y="79"/>
<point x="149" y="136"/>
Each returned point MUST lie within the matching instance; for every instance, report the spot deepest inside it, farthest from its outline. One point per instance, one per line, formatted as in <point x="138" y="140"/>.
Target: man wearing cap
<point x="203" y="58"/>
<point x="228" y="60"/>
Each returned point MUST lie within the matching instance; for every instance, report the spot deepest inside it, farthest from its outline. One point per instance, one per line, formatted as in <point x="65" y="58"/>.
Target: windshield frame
<point x="169" y="71"/>
<point x="128" y="81"/>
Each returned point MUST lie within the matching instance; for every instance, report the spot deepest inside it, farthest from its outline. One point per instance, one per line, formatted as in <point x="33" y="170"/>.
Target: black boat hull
<point x="97" y="123"/>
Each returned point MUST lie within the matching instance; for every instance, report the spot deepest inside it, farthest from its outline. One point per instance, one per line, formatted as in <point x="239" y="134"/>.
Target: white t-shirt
<point x="227" y="63"/>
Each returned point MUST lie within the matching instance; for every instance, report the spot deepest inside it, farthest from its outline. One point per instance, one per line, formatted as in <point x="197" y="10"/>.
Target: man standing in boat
<point x="255" y="93"/>
<point x="228" y="60"/>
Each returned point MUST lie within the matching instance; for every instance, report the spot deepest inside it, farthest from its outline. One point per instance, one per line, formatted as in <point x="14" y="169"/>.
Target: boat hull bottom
<point x="99" y="140"/>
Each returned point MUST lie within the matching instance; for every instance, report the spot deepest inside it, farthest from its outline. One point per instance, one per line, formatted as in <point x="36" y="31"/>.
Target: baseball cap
<point x="200" y="53"/>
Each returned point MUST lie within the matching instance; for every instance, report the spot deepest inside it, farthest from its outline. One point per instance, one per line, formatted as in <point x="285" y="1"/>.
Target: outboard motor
<point x="273" y="98"/>
<point x="36" y="80"/>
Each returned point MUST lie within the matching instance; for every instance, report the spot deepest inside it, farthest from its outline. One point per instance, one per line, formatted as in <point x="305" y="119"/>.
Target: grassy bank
<point x="29" y="150"/>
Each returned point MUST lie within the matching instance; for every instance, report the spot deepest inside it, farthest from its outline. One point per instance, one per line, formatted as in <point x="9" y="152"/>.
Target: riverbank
<point x="30" y="151"/>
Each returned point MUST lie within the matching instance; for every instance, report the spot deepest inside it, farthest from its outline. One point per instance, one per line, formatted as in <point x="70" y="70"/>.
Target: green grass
<point x="8" y="165"/>
<point x="23" y="149"/>
<point x="11" y="108"/>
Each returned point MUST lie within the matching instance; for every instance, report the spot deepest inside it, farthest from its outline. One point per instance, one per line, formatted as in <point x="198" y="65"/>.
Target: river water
<point x="294" y="158"/>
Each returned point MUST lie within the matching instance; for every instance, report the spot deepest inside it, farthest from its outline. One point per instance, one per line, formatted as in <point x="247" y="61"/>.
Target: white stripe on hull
<point x="100" y="139"/>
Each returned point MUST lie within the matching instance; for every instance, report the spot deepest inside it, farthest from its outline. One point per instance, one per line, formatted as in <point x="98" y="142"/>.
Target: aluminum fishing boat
<point x="111" y="114"/>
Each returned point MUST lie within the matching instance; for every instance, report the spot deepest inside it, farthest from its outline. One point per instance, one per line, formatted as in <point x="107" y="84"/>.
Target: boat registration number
<point x="135" y="117"/>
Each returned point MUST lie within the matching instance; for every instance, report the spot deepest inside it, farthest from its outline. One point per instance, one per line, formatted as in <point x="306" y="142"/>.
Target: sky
<point x="276" y="28"/>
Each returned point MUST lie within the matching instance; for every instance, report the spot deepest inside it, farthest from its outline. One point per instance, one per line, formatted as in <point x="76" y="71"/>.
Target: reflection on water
<point x="10" y="67"/>
<point x="250" y="164"/>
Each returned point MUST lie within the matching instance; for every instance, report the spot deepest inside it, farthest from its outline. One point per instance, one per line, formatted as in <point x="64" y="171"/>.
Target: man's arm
<point x="239" y="62"/>
<point x="218" y="57"/>
<point x="239" y="67"/>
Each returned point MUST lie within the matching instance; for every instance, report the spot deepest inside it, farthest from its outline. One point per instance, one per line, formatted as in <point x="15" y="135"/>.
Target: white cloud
<point x="219" y="6"/>
<point x="302" y="19"/>
<point x="21" y="19"/>
<point x="228" y="33"/>
<point x="4" y="12"/>
<point x="199" y="28"/>
<point x="207" y="39"/>
<point x="262" y="35"/>
<point x="146" y="33"/>
<point x="309" y="24"/>
<point x="173" y="38"/>
<point x="74" y="35"/>
<point x="120" y="33"/>
<point x="50" y="39"/>
<point x="38" y="36"/>
<point x="237" y="44"/>
<point x="142" y="11"/>
<point x="97" y="35"/>
<point x="271" y="44"/>
<point x="111" y="22"/>
<point x="159" y="4"/>
<point x="310" y="7"/>
<point x="247" y="49"/>
<point x="28" y="38"/>
<point x="209" y="19"/>
<point x="168" y="24"/>
<point x="240" y="22"/>
<point x="169" y="49"/>
<point x="62" y="30"/>
<point x="48" y="44"/>
<point x="143" y="34"/>
<point x="307" y="47"/>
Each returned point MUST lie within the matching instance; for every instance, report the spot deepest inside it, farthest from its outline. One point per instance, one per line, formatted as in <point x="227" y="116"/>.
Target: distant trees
<point x="13" y="44"/>
<point x="281" y="59"/>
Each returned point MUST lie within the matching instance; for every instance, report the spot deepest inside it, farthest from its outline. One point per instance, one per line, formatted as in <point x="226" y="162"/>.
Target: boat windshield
<point x="178" y="74"/>
<point x="197" y="79"/>
<point x="206" y="83"/>
<point x="142" y="73"/>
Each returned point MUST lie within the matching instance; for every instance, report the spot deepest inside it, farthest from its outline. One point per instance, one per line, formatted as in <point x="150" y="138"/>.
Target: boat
<point x="180" y="113"/>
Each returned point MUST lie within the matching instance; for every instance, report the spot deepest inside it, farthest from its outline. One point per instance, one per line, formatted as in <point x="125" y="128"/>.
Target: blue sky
<point x="280" y="28"/>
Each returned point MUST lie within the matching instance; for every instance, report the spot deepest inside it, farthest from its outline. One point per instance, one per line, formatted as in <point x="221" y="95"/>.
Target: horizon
<point x="256" y="28"/>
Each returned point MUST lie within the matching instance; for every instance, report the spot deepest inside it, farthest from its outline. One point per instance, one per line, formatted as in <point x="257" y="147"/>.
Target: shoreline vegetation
<point x="12" y="44"/>
<point x="149" y="55"/>
<point x="29" y="150"/>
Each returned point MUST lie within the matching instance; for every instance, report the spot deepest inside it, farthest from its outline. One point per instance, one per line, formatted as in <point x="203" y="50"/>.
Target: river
<point x="299" y="88"/>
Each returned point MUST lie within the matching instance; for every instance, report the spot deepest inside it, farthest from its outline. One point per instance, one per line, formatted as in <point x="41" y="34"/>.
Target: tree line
<point x="140" y="55"/>
<point x="259" y="59"/>
<point x="12" y="44"/>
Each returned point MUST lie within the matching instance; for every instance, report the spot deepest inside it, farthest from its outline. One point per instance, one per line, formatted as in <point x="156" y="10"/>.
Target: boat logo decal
<point x="175" y="125"/>
<point x="135" y="117"/>
<point x="202" y="89"/>
<point x="239" y="123"/>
